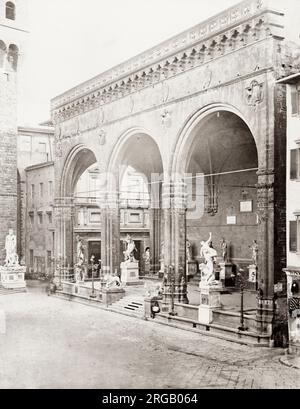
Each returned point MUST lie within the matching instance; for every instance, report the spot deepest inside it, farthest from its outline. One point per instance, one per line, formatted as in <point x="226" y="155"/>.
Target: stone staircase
<point x="131" y="305"/>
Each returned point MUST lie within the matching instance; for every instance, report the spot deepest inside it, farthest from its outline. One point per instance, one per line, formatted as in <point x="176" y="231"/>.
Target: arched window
<point x="2" y="53"/>
<point x="12" y="57"/>
<point x="10" y="10"/>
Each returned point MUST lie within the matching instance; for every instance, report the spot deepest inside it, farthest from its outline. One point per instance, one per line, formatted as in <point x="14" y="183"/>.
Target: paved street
<point x="52" y="343"/>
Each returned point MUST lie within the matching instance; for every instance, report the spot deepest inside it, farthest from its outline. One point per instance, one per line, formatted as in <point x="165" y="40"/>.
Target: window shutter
<point x="294" y="164"/>
<point x="293" y="237"/>
<point x="295" y="102"/>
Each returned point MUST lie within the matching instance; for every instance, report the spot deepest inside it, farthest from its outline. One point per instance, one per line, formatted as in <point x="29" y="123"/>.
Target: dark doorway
<point x="94" y="249"/>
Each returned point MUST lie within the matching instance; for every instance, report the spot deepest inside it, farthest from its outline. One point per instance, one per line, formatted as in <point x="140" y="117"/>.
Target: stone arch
<point x="184" y="138"/>
<point x="124" y="140"/>
<point x="136" y="148"/>
<point x="216" y="158"/>
<point x="79" y="159"/>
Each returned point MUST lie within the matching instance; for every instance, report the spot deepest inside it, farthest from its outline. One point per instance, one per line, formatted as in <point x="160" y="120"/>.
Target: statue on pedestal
<point x="207" y="268"/>
<point x="147" y="260"/>
<point x="79" y="276"/>
<point x="12" y="259"/>
<point x="147" y="255"/>
<point x="129" y="252"/>
<point x="189" y="255"/>
<point x="224" y="248"/>
<point x="80" y="254"/>
<point x="254" y="252"/>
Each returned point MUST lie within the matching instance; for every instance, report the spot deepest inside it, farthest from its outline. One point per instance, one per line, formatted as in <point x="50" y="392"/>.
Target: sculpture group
<point x="11" y="259"/>
<point x="12" y="275"/>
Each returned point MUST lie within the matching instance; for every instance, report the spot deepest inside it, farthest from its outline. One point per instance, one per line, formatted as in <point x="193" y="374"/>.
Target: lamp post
<point x="93" y="295"/>
<point x="172" y="290"/>
<point x="242" y="326"/>
<point x="59" y="272"/>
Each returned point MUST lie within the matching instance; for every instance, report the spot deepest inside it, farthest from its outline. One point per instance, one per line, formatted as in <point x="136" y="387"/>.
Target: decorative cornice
<point x="238" y="26"/>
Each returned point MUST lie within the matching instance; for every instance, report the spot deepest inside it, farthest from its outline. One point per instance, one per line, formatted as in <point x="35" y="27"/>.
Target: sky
<point x="71" y="41"/>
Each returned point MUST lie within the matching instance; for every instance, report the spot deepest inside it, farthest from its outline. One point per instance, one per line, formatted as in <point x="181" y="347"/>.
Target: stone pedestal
<point x="130" y="273"/>
<point x="147" y="268"/>
<point x="13" y="277"/>
<point x="225" y="272"/>
<point x="112" y="295"/>
<point x="191" y="268"/>
<point x="252" y="273"/>
<point x="210" y="298"/>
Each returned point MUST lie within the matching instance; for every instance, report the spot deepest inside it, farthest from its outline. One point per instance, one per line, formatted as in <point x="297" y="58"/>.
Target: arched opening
<point x="138" y="166"/>
<point x="10" y="10"/>
<point x="219" y="160"/>
<point x="75" y="197"/>
<point x="2" y="53"/>
<point x="12" y="57"/>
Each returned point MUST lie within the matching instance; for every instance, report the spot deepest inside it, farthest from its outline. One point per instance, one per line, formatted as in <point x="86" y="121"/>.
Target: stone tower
<point x="13" y="24"/>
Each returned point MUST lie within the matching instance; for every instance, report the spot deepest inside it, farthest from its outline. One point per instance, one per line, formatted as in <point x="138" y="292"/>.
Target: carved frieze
<point x="104" y="90"/>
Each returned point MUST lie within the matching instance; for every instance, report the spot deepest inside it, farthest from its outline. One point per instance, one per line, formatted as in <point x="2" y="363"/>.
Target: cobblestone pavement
<point x="52" y="343"/>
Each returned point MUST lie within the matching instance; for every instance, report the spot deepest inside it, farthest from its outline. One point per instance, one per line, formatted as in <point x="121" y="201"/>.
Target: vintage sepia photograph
<point x="149" y="197"/>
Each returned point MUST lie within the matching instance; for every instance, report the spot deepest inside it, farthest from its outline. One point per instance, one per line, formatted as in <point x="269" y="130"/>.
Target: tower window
<point x="10" y="11"/>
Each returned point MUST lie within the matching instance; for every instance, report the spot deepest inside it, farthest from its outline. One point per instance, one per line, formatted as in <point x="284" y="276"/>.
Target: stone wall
<point x="8" y="187"/>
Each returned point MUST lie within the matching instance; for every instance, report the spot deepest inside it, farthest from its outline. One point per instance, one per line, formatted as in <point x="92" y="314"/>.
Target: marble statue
<point x="189" y="255"/>
<point x="80" y="254"/>
<point x="79" y="274"/>
<point x="254" y="252"/>
<point x="131" y="248"/>
<point x="111" y="281"/>
<point x="209" y="254"/>
<point x="224" y="249"/>
<point x="11" y="259"/>
<point x="147" y="255"/>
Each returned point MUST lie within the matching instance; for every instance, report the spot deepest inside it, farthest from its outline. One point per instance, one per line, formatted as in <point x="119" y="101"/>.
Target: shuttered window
<point x="295" y="101"/>
<point x="295" y="165"/>
<point x="293" y="236"/>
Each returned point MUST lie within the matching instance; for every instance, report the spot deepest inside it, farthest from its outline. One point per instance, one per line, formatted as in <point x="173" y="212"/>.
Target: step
<point x="215" y="330"/>
<point x="126" y="311"/>
<point x="232" y="319"/>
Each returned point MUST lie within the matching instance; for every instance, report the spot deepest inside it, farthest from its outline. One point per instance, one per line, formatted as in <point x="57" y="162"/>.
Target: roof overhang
<point x="291" y="79"/>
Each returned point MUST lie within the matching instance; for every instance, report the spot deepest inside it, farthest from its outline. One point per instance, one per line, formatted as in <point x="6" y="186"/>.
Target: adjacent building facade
<point x="293" y="205"/>
<point x="39" y="235"/>
<point x="34" y="146"/>
<point x="13" y="25"/>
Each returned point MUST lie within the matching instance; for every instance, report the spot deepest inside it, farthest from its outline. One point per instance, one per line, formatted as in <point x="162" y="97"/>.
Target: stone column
<point x="110" y="232"/>
<point x="155" y="238"/>
<point x="265" y="202"/>
<point x="64" y="231"/>
<point x="174" y="234"/>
